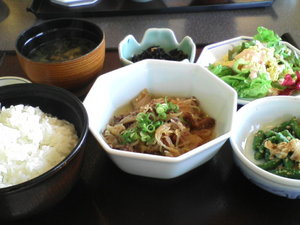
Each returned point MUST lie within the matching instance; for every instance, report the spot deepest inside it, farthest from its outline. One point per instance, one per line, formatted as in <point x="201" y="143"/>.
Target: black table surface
<point x="212" y="194"/>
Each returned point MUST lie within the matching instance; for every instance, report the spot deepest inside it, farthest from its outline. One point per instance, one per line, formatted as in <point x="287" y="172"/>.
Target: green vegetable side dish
<point x="260" y="67"/>
<point x="278" y="149"/>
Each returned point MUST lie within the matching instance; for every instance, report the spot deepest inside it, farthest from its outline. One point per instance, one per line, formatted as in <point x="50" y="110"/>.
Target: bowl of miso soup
<point x="63" y="52"/>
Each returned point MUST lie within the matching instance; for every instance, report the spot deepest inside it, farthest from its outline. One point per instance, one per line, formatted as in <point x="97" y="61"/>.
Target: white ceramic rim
<point x="14" y="80"/>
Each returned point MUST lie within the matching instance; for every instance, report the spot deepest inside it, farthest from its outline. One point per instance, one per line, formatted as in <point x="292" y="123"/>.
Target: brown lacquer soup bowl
<point x="64" y="52"/>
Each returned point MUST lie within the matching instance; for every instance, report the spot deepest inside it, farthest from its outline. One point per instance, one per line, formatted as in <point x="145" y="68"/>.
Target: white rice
<point x="31" y="143"/>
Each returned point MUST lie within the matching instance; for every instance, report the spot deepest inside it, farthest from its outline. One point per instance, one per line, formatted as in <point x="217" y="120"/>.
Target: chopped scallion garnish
<point x="147" y="123"/>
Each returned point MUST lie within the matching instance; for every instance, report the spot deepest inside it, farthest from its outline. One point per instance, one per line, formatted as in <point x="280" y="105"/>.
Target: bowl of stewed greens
<point x="266" y="144"/>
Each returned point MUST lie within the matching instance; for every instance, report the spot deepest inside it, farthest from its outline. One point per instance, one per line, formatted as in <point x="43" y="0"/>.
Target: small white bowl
<point x="249" y="119"/>
<point x="165" y="78"/>
<point x="215" y="52"/>
<point x="161" y="37"/>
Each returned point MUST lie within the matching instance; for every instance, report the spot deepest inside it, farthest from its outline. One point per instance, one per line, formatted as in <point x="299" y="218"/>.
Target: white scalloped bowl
<point x="165" y="78"/>
<point x="215" y="52"/>
<point x="249" y="119"/>
<point x="162" y="37"/>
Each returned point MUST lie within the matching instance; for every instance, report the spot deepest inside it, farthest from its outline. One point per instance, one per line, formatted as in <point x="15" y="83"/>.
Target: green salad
<point x="278" y="149"/>
<point x="260" y="67"/>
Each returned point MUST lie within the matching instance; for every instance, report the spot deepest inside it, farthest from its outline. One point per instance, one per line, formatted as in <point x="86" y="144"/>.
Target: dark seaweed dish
<point x="156" y="52"/>
<point x="59" y="50"/>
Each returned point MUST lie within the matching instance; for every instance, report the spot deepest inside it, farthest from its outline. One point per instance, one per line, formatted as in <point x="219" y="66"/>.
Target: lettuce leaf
<point x="245" y="86"/>
<point x="272" y="39"/>
<point x="220" y="70"/>
<point x="265" y="35"/>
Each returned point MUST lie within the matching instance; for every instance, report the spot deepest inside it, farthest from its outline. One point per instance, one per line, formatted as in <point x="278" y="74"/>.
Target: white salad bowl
<point x="164" y="78"/>
<point x="160" y="37"/>
<point x="215" y="52"/>
<point x="259" y="114"/>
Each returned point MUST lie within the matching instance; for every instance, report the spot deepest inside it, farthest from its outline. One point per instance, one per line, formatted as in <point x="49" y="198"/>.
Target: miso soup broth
<point x="63" y="49"/>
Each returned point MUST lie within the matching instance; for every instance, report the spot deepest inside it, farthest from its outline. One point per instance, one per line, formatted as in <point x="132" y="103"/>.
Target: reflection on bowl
<point x="44" y="191"/>
<point x="76" y="3"/>
<point x="161" y="78"/>
<point x="141" y="1"/>
<point x="8" y="80"/>
<point x="4" y="11"/>
<point x="63" y="52"/>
